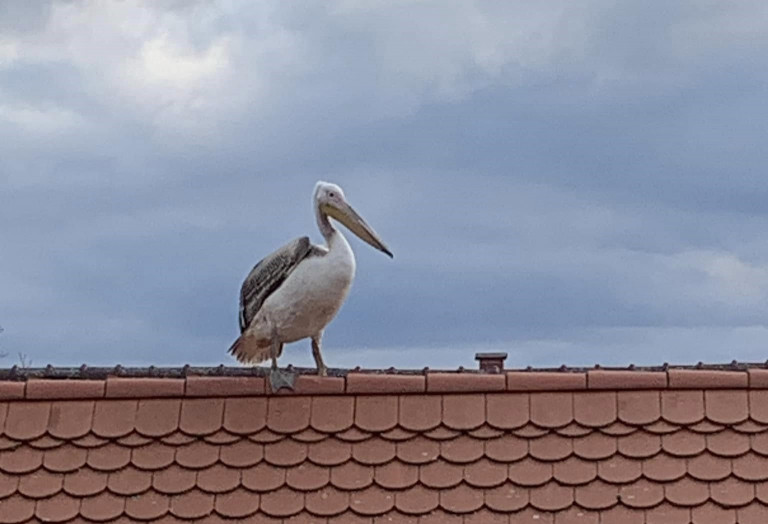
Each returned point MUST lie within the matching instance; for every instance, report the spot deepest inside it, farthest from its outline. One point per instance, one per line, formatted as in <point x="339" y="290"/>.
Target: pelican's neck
<point x="324" y="225"/>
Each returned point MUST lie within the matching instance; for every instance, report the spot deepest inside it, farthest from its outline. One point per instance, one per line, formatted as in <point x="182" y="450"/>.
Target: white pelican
<point x="297" y="290"/>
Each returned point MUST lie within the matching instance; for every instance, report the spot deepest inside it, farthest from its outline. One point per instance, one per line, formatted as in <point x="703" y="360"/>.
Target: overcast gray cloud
<point x="569" y="182"/>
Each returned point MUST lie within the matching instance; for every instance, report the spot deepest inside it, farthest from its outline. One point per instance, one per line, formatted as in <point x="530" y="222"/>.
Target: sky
<point x="569" y="182"/>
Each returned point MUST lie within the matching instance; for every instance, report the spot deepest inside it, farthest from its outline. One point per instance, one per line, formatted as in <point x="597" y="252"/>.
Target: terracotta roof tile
<point x="17" y="509"/>
<point x="201" y="416"/>
<point x="12" y="390"/>
<point x="21" y="460"/>
<point x="200" y="454"/>
<point x="396" y="475"/>
<point x="263" y="478"/>
<point x="367" y="383"/>
<point x="754" y="513"/>
<point x="224" y="386"/>
<point x="117" y="387"/>
<point x="40" y="484"/>
<point x="85" y="482"/>
<point x="376" y="413"/>
<point x="102" y="507"/>
<point x="157" y="418"/>
<point x="245" y="416"/>
<point x="461" y="499"/>
<point x="372" y="501"/>
<point x="147" y="505"/>
<point x="27" y="420"/>
<point x="545" y="381"/>
<point x="574" y="471"/>
<point x="712" y="514"/>
<point x="664" y="468"/>
<point x="595" y="446"/>
<point x="331" y="414"/>
<point x="603" y="379"/>
<point x="59" y="508"/>
<point x="550" y="447"/>
<point x="417" y="500"/>
<point x="552" y="497"/>
<point x="682" y="407"/>
<point x="623" y="515"/>
<point x="686" y="492"/>
<point x="639" y="444"/>
<point x="465" y="382"/>
<point x="507" y="497"/>
<point x="638" y="407"/>
<point x="237" y="504"/>
<point x="508" y="411"/>
<point x="551" y="410"/>
<point x="241" y="454"/>
<point x="683" y="443"/>
<point x="173" y="480"/>
<point x="619" y="470"/>
<point x="69" y="420"/>
<point x="441" y="474"/>
<point x="667" y="514"/>
<point x="485" y="474"/>
<point x="727" y="406"/>
<point x="464" y="412"/>
<point x="418" y="450"/>
<point x="114" y="418"/>
<point x="597" y="495"/>
<point x="728" y="443"/>
<point x="374" y="451"/>
<point x="64" y="389"/>
<point x="220" y="478"/>
<point x="641" y="494"/>
<point x="64" y="458"/>
<point x="594" y="409"/>
<point x="327" y="501"/>
<point x="732" y="492"/>
<point x="192" y="505"/>
<point x="155" y="455"/>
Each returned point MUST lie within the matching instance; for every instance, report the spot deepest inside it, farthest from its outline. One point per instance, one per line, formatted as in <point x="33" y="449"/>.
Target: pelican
<point x="296" y="291"/>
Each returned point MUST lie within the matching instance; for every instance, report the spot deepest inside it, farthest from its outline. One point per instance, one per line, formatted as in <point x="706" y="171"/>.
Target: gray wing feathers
<point x="267" y="275"/>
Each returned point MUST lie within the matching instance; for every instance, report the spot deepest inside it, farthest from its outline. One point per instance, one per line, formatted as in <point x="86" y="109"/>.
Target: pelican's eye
<point x="332" y="194"/>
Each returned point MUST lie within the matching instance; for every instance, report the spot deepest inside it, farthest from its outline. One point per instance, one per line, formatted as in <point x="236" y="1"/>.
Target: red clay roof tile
<point x="286" y="452"/>
<point x="192" y="505"/>
<point x="64" y="389"/>
<point x="332" y="414"/>
<point x="157" y="418"/>
<point x="263" y="478"/>
<point x="465" y="383"/>
<point x="750" y="467"/>
<point x="641" y="494"/>
<point x="619" y="470"/>
<point x="638" y="407"/>
<point x="595" y="446"/>
<point x="396" y="475"/>
<point x="574" y="471"/>
<point x="552" y="497"/>
<point x="728" y="443"/>
<point x="461" y="499"/>
<point x="114" y="418"/>
<point x="710" y="379"/>
<point x="507" y="497"/>
<point x="712" y="514"/>
<point x="69" y="420"/>
<point x="21" y="460"/>
<point x="594" y="409"/>
<point x="327" y="501"/>
<point x="606" y="379"/>
<point x="550" y="447"/>
<point x="545" y="381"/>
<point x="102" y="507"/>
<point x="374" y="451"/>
<point x="173" y="480"/>
<point x="508" y="411"/>
<point x="420" y="412"/>
<point x="417" y="500"/>
<point x="551" y="410"/>
<point x="485" y="474"/>
<point x="59" y="508"/>
<point x="244" y="416"/>
<point x="666" y="514"/>
<point x="218" y="479"/>
<point x="148" y="505"/>
<point x="441" y="474"/>
<point x="155" y="455"/>
<point x="85" y="482"/>
<point x="237" y="504"/>
<point x="597" y="495"/>
<point x="732" y="492"/>
<point x="754" y="513"/>
<point x="11" y="391"/>
<point x="367" y="383"/>
<point x="198" y="455"/>
<point x="17" y="509"/>
<point x="64" y="458"/>
<point x="288" y="414"/>
<point x="376" y="413"/>
<point x="682" y="407"/>
<point x="686" y="492"/>
<point x="26" y="420"/>
<point x="726" y="406"/>
<point x="224" y="386"/>
<point x="117" y="387"/>
<point x="129" y="481"/>
<point x="664" y="468"/>
<point x="639" y="444"/>
<point x="371" y="501"/>
<point x="464" y="412"/>
<point x="201" y="416"/>
<point x="40" y="484"/>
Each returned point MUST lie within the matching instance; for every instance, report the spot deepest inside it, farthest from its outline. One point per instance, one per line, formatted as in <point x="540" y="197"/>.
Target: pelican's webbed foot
<point x="281" y="379"/>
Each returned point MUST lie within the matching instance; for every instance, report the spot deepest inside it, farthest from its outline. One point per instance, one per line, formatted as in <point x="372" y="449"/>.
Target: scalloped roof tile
<point x="632" y="446"/>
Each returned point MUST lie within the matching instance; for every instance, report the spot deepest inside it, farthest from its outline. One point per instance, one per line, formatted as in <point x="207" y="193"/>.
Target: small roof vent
<point x="491" y="362"/>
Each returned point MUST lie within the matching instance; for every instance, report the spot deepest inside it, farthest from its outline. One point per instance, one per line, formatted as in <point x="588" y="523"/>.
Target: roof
<point x="548" y="447"/>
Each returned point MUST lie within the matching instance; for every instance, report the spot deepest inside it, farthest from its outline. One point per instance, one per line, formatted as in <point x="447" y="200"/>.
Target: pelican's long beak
<point x="355" y="223"/>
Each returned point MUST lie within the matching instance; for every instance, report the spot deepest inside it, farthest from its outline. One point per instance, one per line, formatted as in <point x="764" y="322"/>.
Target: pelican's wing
<point x="267" y="275"/>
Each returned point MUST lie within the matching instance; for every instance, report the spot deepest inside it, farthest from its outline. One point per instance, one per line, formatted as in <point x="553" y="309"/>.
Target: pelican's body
<point x="295" y="292"/>
<point x="311" y="296"/>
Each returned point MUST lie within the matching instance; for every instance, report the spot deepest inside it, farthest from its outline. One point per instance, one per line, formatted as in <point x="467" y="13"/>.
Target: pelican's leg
<point x="321" y="369"/>
<point x="278" y="379"/>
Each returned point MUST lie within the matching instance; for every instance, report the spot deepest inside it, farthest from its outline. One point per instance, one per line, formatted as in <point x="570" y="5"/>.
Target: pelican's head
<point x="330" y="200"/>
